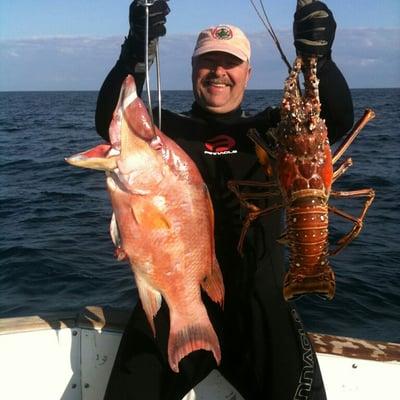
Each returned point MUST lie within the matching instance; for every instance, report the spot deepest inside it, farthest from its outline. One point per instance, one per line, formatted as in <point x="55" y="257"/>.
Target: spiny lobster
<point x="304" y="175"/>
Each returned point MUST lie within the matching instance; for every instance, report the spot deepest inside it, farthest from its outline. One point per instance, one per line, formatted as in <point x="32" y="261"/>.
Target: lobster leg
<point x="250" y="217"/>
<point x="261" y="142"/>
<point x="342" y="169"/>
<point x="348" y="140"/>
<point x="358" y="221"/>
<point x="254" y="212"/>
<point x="235" y="186"/>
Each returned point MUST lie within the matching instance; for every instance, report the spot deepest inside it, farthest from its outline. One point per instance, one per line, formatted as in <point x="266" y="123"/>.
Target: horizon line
<point x="169" y="90"/>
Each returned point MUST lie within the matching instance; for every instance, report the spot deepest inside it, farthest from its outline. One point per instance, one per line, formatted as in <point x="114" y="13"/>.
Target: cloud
<point x="367" y="57"/>
<point x="57" y="63"/>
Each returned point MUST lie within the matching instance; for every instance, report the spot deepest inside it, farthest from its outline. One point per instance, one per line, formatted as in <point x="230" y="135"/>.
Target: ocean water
<point x="55" y="249"/>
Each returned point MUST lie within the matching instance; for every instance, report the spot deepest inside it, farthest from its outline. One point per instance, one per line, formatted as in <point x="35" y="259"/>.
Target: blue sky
<point x="71" y="45"/>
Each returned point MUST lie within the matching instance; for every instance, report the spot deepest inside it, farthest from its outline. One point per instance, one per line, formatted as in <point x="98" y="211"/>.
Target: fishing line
<point x="265" y="21"/>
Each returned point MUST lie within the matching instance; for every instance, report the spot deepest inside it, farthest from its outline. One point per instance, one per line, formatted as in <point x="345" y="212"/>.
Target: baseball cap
<point x="226" y="38"/>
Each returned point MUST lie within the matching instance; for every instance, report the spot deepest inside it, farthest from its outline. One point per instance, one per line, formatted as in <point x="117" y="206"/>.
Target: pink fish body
<point x="163" y="223"/>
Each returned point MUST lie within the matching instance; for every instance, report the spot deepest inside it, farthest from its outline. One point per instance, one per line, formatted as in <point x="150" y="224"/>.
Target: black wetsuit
<point x="265" y="351"/>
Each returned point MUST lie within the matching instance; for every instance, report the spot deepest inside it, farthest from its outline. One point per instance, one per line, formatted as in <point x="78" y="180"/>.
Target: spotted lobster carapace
<point x="303" y="166"/>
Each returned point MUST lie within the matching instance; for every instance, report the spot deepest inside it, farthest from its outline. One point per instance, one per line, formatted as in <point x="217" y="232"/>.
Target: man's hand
<point x="157" y="19"/>
<point x="313" y="28"/>
<point x="133" y="48"/>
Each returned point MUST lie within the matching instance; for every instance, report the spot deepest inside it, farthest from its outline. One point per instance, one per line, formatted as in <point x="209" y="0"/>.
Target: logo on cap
<point x="222" y="32"/>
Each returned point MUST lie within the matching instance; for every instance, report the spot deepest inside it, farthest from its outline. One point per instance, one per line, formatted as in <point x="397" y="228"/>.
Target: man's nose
<point x="219" y="69"/>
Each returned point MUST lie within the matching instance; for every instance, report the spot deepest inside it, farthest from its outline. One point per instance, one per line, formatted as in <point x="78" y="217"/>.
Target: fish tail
<point x="188" y="337"/>
<point x="213" y="284"/>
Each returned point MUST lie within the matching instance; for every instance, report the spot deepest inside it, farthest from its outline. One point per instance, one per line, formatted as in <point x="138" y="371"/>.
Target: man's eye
<point x="207" y="62"/>
<point x="233" y="64"/>
<point x="212" y="63"/>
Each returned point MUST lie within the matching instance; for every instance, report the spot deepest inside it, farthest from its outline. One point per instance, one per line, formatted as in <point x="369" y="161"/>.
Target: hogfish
<point x="163" y="223"/>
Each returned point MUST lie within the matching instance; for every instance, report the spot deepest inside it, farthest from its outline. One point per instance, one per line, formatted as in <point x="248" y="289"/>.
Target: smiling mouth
<point x="218" y="84"/>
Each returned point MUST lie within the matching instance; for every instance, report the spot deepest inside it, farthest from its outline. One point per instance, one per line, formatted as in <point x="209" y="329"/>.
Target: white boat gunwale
<point x="69" y="356"/>
<point x="114" y="320"/>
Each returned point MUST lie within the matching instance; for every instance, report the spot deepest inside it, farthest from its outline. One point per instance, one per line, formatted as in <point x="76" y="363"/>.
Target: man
<point x="265" y="352"/>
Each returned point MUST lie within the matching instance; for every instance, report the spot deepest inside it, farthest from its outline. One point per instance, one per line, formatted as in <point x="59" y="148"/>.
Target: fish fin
<point x="213" y="284"/>
<point x="151" y="300"/>
<point x="116" y="239"/>
<point x="114" y="232"/>
<point x="150" y="217"/>
<point x="185" y="338"/>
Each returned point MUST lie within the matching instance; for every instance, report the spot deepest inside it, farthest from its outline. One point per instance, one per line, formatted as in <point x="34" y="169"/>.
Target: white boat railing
<point x="69" y="356"/>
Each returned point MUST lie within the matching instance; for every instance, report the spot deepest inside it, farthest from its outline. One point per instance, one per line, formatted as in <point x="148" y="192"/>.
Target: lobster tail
<point x="309" y="271"/>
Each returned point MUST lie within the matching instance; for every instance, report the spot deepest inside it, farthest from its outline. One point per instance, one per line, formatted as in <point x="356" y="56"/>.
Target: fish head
<point x="132" y="131"/>
<point x="133" y="154"/>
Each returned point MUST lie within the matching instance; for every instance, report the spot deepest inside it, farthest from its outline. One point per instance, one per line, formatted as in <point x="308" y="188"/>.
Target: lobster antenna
<point x="265" y="21"/>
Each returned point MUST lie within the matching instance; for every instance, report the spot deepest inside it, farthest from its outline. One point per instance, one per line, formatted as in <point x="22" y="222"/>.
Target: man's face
<point x="219" y="80"/>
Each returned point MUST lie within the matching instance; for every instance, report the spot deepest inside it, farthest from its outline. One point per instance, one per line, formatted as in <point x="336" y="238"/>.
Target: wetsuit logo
<point x="306" y="378"/>
<point x="221" y="144"/>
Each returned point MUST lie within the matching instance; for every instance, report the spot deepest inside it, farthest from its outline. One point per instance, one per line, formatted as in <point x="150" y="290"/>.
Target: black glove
<point x="157" y="18"/>
<point x="314" y="29"/>
<point x="133" y="50"/>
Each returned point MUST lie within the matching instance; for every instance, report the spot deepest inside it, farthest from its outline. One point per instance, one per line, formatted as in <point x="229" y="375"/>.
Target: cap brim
<point x="223" y="48"/>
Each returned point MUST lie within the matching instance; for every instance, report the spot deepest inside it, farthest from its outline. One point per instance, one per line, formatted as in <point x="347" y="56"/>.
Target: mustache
<point x="218" y="81"/>
<point x="212" y="78"/>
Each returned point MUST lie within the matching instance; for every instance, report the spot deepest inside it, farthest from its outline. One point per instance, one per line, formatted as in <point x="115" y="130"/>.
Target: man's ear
<point x="248" y="75"/>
